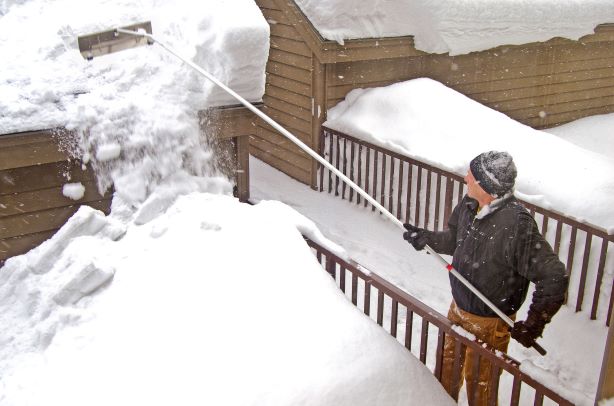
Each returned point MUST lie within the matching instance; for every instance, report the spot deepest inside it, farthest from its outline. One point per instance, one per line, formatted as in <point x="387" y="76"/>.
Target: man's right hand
<point x="415" y="236"/>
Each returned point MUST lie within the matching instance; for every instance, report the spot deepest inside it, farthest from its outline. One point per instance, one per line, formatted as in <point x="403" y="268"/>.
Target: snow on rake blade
<point x="106" y="42"/>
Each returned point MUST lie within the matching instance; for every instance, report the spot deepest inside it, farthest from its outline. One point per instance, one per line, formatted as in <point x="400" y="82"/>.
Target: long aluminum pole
<point x="330" y="167"/>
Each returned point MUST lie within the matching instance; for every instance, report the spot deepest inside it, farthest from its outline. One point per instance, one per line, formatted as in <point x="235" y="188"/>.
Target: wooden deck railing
<point x="422" y="330"/>
<point x="424" y="195"/>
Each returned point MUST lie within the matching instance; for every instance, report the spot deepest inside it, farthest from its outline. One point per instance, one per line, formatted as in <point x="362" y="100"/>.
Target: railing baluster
<point x="571" y="251"/>
<point x="460" y="192"/>
<point x="394" y="318"/>
<point x="380" y="307"/>
<point x="585" y="259"/>
<point x="342" y="278"/>
<point x="459" y="353"/>
<point x="439" y="354"/>
<point x="400" y="190"/>
<point x="494" y="385"/>
<point x="427" y="203"/>
<point x="354" y="289"/>
<point x="410" y="170"/>
<point x="391" y="186"/>
<point x="382" y="190"/>
<point x="472" y="394"/>
<point x="545" y="225"/>
<point x="516" y="391"/>
<point x="359" y="173"/>
<point x="557" y="237"/>
<point x="337" y="166"/>
<point x="424" y="338"/>
<point x="375" y="176"/>
<point x="367" y="298"/>
<point x="409" y="325"/>
<point x="330" y="154"/>
<point x="344" y="167"/>
<point x="418" y="193"/>
<point x="368" y="173"/>
<point x="539" y="398"/>
<point x="437" y="202"/>
<point x="447" y="210"/>
<point x="600" y="269"/>
<point x="352" y="164"/>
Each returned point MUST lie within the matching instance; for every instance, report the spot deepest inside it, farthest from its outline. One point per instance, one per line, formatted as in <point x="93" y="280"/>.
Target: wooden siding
<point x="33" y="170"/>
<point x="288" y="97"/>
<point x="539" y="84"/>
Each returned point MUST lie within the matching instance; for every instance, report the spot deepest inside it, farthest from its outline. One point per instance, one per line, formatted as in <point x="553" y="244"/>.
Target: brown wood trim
<point x="19" y="180"/>
<point x="289" y="169"/>
<point x="44" y="220"/>
<point x="44" y="199"/>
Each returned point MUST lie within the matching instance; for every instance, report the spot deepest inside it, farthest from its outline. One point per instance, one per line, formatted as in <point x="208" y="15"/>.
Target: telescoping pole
<point x="330" y="167"/>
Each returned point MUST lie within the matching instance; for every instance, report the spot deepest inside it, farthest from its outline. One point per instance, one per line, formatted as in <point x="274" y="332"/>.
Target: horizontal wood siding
<point x="542" y="85"/>
<point x="288" y="96"/>
<point x="33" y="171"/>
<point x="539" y="84"/>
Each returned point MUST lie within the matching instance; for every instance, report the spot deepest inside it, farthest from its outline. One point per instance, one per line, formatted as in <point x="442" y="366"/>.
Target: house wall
<point x="33" y="170"/>
<point x="539" y="84"/>
<point x="288" y="97"/>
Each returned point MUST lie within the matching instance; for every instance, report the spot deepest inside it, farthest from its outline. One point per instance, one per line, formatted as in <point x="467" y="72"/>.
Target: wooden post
<point x="605" y="388"/>
<point x="318" y="113"/>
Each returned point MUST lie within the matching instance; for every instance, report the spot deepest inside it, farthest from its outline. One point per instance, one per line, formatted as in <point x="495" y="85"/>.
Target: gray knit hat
<point x="495" y="171"/>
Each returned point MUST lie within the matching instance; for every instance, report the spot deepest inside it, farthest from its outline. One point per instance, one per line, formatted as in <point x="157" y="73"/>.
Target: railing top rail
<point x="498" y="359"/>
<point x="586" y="227"/>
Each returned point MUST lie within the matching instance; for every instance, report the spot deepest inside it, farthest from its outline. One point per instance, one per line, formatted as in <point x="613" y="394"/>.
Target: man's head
<point x="494" y="172"/>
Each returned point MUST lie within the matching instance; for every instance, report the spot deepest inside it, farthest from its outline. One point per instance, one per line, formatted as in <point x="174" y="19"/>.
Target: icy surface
<point x="426" y="120"/>
<point x="458" y="26"/>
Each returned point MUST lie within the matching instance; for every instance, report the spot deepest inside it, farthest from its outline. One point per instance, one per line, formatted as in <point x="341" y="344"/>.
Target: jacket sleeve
<point x="444" y="242"/>
<point x="536" y="261"/>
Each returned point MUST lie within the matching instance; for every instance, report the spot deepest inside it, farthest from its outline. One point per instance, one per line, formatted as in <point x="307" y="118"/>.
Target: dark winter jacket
<point x="499" y="251"/>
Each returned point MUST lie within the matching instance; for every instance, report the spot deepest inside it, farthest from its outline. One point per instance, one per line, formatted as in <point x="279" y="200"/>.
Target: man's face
<point x="474" y="190"/>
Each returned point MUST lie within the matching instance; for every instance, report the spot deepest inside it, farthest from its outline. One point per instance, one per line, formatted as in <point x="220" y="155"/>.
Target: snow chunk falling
<point x="74" y="191"/>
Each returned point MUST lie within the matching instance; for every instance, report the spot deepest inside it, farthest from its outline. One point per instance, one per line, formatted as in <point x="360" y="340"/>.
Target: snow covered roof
<point x="457" y="26"/>
<point x="426" y="120"/>
<point x="42" y="85"/>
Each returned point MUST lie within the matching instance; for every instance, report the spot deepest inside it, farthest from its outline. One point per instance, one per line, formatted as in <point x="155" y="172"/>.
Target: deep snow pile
<point x="205" y="301"/>
<point x="134" y="112"/>
<point x="426" y="120"/>
<point x="182" y="295"/>
<point x="458" y="26"/>
<point x="593" y="133"/>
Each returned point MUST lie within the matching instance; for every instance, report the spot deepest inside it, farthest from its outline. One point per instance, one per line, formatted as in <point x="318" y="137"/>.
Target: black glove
<point x="415" y="236"/>
<point x="526" y="332"/>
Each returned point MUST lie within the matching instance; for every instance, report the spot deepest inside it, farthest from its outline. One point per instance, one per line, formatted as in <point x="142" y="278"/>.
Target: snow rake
<point x="117" y="39"/>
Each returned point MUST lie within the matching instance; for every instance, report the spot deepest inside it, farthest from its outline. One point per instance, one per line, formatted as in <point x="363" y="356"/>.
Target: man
<point x="496" y="245"/>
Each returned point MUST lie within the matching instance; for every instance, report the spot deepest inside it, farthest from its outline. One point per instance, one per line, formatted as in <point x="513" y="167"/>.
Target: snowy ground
<point x="381" y="249"/>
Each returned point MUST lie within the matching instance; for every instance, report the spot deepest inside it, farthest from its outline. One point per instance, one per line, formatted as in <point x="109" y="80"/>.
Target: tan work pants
<point x="491" y="330"/>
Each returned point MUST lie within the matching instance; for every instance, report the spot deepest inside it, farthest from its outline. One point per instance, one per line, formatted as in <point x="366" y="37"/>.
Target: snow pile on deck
<point x="458" y="26"/>
<point x="426" y="120"/>
<point x="208" y="301"/>
<point x="593" y="133"/>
